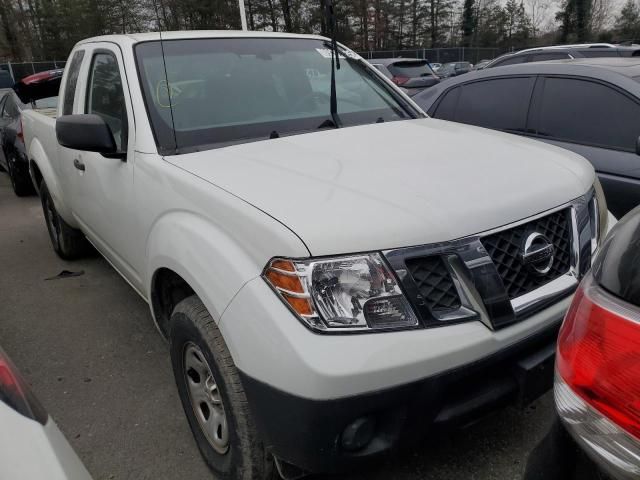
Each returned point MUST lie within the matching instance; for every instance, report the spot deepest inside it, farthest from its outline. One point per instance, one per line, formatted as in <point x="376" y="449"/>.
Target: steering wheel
<point x="317" y="97"/>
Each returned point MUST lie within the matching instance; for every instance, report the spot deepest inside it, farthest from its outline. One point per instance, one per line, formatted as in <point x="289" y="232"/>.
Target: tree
<point x="575" y="18"/>
<point x="627" y="23"/>
<point x="537" y="11"/>
<point x="469" y="22"/>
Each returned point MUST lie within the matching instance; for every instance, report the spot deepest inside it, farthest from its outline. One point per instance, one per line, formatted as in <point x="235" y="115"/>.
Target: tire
<point x="242" y="456"/>
<point x="22" y="185"/>
<point x="67" y="242"/>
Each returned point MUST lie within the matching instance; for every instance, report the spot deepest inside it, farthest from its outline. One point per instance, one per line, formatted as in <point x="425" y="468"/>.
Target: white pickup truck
<point x="330" y="285"/>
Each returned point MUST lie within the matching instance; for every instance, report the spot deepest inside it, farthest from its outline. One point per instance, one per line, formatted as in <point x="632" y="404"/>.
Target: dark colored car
<point x="597" y="386"/>
<point x="413" y="75"/>
<point x="566" y="52"/>
<point x="35" y="91"/>
<point x="6" y="81"/>
<point x="589" y="106"/>
<point x="454" y="69"/>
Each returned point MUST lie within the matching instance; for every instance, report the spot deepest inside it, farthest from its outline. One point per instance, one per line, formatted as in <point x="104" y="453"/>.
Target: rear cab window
<point x="72" y="80"/>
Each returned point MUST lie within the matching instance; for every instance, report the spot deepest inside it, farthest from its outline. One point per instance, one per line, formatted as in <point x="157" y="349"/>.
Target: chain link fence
<point x="438" y="55"/>
<point x="20" y="70"/>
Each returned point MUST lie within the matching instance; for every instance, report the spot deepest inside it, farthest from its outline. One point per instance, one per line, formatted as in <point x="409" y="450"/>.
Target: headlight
<point x="343" y="293"/>
<point x="599" y="216"/>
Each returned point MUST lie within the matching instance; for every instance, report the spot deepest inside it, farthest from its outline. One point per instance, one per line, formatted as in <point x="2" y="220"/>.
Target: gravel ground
<point x="88" y="346"/>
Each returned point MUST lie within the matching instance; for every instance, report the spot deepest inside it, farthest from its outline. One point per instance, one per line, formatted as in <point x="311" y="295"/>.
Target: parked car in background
<point x="435" y="66"/>
<point x="589" y="106"/>
<point x="482" y="64"/>
<point x="323" y="304"/>
<point x="13" y="155"/>
<point x="454" y="69"/>
<point x="597" y="386"/>
<point x="31" y="445"/>
<point x="413" y="75"/>
<point x="6" y="80"/>
<point x="564" y="52"/>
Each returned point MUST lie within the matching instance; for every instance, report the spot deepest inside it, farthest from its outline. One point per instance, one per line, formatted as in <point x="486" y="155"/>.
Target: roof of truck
<point x="150" y="36"/>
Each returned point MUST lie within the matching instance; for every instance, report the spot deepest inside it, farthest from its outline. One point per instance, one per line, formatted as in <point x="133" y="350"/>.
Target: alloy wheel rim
<point x="205" y="398"/>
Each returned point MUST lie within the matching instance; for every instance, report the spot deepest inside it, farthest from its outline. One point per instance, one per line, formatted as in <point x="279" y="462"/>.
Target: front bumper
<point x="318" y="435"/>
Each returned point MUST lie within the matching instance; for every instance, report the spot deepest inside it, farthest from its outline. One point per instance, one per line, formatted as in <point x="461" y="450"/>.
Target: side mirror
<point x="86" y="132"/>
<point x="638" y="146"/>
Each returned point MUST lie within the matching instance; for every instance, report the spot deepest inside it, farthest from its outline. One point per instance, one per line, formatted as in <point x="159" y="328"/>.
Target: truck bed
<point x="39" y="128"/>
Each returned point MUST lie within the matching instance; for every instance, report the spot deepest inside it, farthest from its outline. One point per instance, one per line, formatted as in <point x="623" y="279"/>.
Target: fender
<point x="214" y="264"/>
<point x="37" y="154"/>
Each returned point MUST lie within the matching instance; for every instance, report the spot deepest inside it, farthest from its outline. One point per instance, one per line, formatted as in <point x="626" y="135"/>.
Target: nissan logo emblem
<point x="538" y="253"/>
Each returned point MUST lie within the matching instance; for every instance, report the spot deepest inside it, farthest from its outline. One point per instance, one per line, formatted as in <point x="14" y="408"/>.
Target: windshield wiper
<point x="335" y="61"/>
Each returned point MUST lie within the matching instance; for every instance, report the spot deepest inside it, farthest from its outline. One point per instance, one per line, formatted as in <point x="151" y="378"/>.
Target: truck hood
<point x="396" y="184"/>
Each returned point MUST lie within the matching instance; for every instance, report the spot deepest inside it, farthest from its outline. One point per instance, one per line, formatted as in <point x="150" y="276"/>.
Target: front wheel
<point x="213" y="397"/>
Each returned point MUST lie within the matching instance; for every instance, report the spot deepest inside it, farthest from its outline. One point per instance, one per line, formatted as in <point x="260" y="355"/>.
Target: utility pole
<point x="243" y="15"/>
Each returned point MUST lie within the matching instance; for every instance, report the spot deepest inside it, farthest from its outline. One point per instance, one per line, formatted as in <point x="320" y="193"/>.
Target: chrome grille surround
<point x="480" y="287"/>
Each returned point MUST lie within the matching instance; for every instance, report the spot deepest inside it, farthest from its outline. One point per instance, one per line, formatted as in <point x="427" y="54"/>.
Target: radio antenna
<point x="166" y="76"/>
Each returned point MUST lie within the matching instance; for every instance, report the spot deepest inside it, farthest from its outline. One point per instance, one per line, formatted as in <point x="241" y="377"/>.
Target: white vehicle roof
<point x="175" y="35"/>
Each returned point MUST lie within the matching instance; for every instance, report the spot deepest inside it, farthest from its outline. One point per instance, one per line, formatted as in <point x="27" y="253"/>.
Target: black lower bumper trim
<point x="308" y="433"/>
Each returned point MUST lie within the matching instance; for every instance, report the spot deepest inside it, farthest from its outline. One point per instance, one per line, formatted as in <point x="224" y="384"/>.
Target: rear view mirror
<point x="86" y="132"/>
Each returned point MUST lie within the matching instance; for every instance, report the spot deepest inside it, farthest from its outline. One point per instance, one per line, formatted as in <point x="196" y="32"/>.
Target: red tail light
<point x="16" y="394"/>
<point x="599" y="355"/>
<point x="398" y="80"/>
<point x="20" y="133"/>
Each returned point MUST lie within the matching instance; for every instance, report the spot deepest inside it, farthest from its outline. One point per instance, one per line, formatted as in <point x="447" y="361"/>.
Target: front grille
<point x="505" y="249"/>
<point x="434" y="283"/>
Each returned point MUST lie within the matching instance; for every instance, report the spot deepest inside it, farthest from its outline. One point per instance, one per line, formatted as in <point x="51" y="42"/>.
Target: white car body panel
<point x="30" y="451"/>
<point x="289" y="357"/>
<point x="386" y="197"/>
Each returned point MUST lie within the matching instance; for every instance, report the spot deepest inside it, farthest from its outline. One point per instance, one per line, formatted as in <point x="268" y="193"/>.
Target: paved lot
<point x="88" y="346"/>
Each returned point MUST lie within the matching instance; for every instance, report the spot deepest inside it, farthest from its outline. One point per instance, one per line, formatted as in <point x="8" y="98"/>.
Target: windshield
<point x="231" y="90"/>
<point x="410" y="69"/>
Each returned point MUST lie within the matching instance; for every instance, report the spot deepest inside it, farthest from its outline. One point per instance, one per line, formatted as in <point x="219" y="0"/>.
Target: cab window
<point x="105" y="96"/>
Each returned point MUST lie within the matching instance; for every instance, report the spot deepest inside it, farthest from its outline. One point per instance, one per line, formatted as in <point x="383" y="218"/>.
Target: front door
<point x="104" y="201"/>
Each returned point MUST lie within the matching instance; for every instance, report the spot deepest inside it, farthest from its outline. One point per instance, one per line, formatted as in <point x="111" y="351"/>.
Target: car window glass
<point x="72" y="80"/>
<point x="600" y="52"/>
<point x="2" y="104"/>
<point x="105" y="96"/>
<point x="500" y="103"/>
<point x="229" y="90"/>
<point x="410" y="69"/>
<point x="446" y="109"/>
<point x="511" y="61"/>
<point x="541" y="57"/>
<point x="587" y="112"/>
<point x="10" y="109"/>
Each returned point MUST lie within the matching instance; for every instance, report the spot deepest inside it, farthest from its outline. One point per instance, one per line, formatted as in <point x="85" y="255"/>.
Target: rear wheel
<point x="67" y="242"/>
<point x="20" y="181"/>
<point x="213" y="398"/>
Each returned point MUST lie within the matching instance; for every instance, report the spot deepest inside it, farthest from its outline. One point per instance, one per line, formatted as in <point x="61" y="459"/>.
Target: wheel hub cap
<point x="205" y="399"/>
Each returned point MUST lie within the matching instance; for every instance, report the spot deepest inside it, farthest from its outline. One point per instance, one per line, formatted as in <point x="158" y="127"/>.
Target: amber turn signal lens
<point x="290" y="283"/>
<point x="302" y="306"/>
<point x="285" y="265"/>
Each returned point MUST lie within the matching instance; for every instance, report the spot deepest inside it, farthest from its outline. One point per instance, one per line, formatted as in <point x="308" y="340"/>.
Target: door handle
<point x="78" y="164"/>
